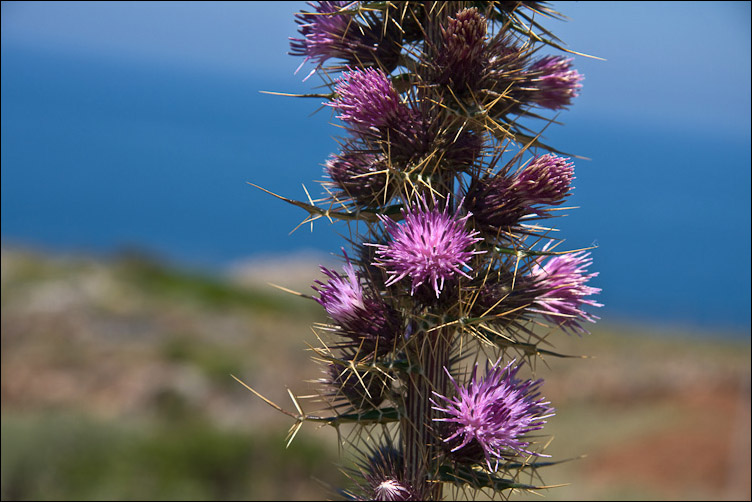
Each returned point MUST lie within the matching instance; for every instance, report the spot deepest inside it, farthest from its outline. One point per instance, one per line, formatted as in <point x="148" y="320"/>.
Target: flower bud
<point x="554" y="82"/>
<point x="545" y="180"/>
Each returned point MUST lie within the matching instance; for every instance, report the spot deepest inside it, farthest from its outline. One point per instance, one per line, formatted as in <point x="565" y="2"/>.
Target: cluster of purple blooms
<point x="445" y="255"/>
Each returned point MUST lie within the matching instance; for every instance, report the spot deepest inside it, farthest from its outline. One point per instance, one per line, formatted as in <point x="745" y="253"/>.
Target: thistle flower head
<point x="463" y="151"/>
<point x="327" y="34"/>
<point x="359" y="391"/>
<point x="366" y="99"/>
<point x="493" y="412"/>
<point x="545" y="180"/>
<point x="504" y="295"/>
<point x="367" y="321"/>
<point x="505" y="65"/>
<point x="391" y="489"/>
<point x="464" y="34"/>
<point x="429" y="246"/>
<point x="386" y="478"/>
<point x="341" y="297"/>
<point x="359" y="175"/>
<point x="495" y="202"/>
<point x="555" y="81"/>
<point x="460" y="60"/>
<point x="562" y="288"/>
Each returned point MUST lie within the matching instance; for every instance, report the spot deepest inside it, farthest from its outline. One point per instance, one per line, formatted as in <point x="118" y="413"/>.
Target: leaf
<point x="462" y="475"/>
<point x="317" y="212"/>
<point x="378" y="416"/>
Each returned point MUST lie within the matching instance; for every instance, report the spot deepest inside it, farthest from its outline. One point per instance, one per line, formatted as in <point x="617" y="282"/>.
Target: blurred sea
<point x="99" y="156"/>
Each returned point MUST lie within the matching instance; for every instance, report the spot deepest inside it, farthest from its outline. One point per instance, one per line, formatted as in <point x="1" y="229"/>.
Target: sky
<point x="664" y="60"/>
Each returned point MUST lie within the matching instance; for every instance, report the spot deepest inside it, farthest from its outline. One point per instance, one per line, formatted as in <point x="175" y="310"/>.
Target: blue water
<point x="97" y="156"/>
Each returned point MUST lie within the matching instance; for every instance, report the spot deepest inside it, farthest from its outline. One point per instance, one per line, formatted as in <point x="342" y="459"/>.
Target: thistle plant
<point x="455" y="284"/>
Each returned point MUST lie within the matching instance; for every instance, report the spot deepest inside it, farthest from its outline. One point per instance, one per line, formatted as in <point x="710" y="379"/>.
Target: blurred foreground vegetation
<point x="63" y="456"/>
<point x="116" y="384"/>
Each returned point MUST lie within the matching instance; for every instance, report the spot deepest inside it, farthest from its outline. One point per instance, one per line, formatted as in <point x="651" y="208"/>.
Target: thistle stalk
<point x="419" y="439"/>
<point x="453" y="281"/>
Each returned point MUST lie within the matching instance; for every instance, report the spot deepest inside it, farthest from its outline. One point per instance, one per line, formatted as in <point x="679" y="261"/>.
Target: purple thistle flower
<point x="493" y="413"/>
<point x="366" y="99"/>
<point x="562" y="287"/>
<point x="325" y="34"/>
<point x="368" y="102"/>
<point x="429" y="246"/>
<point x="328" y="35"/>
<point x="460" y="60"/>
<point x="555" y="81"/>
<point x="545" y="180"/>
<point x="342" y="297"/>
<point x="495" y="202"/>
<point x="371" y="324"/>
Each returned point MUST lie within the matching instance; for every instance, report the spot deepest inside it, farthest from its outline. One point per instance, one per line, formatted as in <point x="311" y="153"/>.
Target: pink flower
<point x="367" y="100"/>
<point x="562" y="285"/>
<point x="370" y="324"/>
<point x="545" y="180"/>
<point x="429" y="246"/>
<point x="493" y="413"/>
<point x="555" y="81"/>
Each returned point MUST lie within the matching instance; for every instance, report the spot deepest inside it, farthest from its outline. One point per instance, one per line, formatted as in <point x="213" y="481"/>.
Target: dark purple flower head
<point x="463" y="150"/>
<point x="502" y="83"/>
<point x="361" y="391"/>
<point x="374" y="112"/>
<point x="493" y="413"/>
<point x="328" y="35"/>
<point x="367" y="321"/>
<point x="460" y="59"/>
<point x="366" y="99"/>
<point x="495" y="202"/>
<point x="562" y="288"/>
<point x="545" y="180"/>
<point x="555" y="81"/>
<point x="361" y="176"/>
<point x="504" y="295"/>
<point x="325" y="34"/>
<point x="429" y="246"/>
